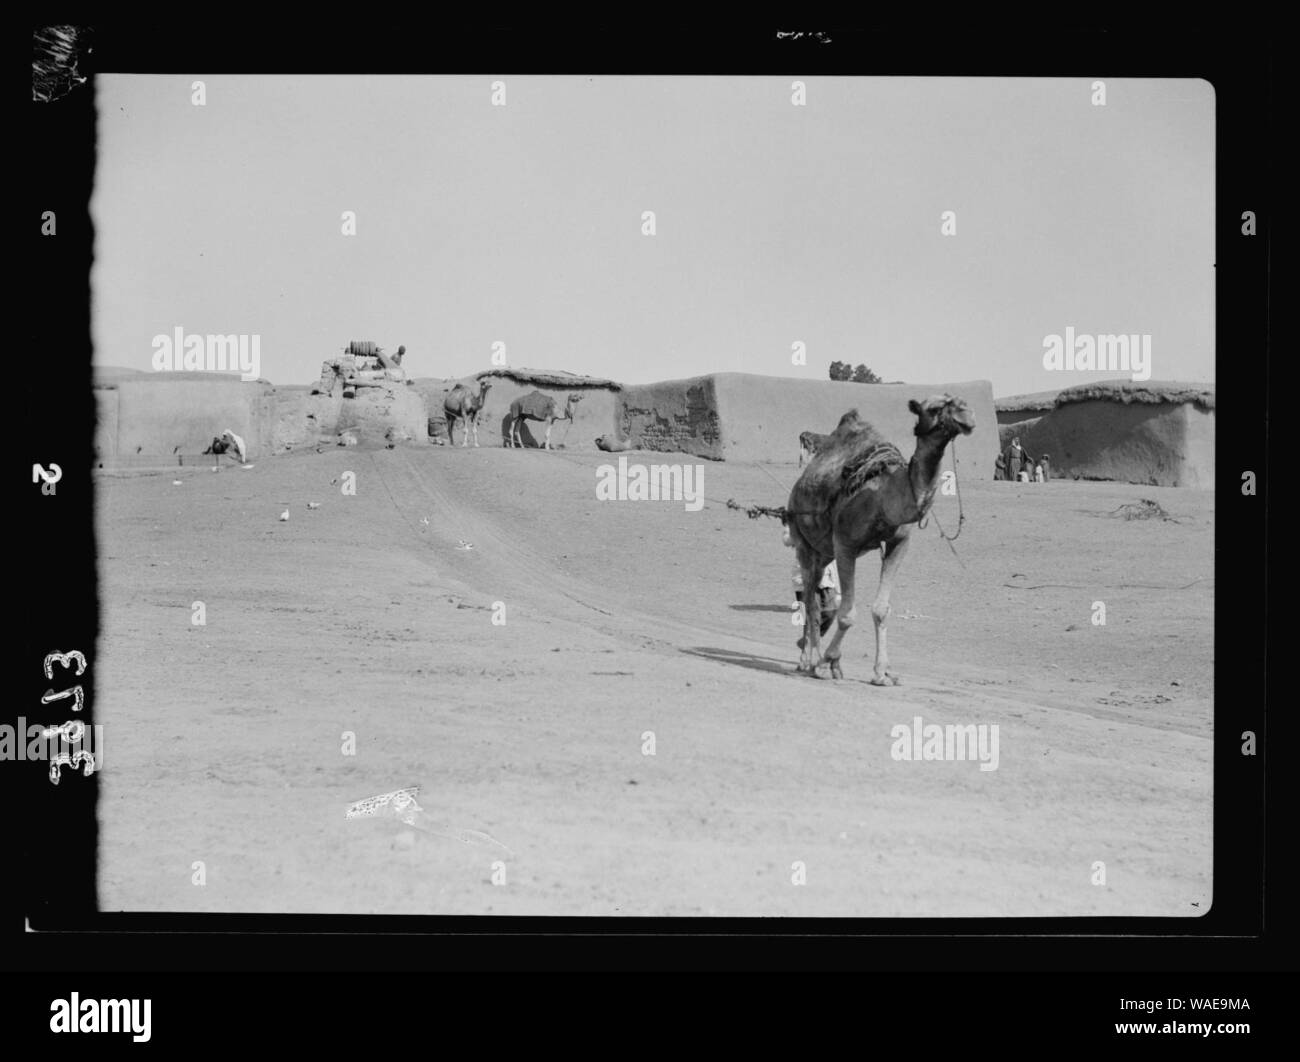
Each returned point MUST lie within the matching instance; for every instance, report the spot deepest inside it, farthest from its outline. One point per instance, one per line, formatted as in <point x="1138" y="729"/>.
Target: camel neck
<point x="923" y="469"/>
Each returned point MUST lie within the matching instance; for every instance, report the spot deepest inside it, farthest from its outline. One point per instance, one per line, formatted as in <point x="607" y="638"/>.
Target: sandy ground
<point x="224" y="743"/>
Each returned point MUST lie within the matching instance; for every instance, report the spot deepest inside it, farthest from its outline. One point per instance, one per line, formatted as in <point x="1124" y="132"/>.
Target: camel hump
<point x="535" y="405"/>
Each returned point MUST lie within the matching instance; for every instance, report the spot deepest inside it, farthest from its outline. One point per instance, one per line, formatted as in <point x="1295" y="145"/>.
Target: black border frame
<point x="60" y="855"/>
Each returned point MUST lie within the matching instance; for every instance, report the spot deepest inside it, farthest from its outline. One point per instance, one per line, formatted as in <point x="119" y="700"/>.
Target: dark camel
<point x="537" y="406"/>
<point x="858" y="494"/>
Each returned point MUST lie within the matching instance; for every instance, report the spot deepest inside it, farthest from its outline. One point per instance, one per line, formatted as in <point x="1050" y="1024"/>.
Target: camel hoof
<point x="887" y="679"/>
<point x="836" y="671"/>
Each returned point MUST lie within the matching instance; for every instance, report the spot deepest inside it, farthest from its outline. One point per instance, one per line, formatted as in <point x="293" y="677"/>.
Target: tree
<point x="841" y="370"/>
<point x="864" y="375"/>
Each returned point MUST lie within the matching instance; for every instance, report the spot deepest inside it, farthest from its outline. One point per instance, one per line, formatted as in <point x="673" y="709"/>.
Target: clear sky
<point x="775" y="223"/>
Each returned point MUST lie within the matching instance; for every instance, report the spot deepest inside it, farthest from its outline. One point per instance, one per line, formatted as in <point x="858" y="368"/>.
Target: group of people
<point x="1015" y="464"/>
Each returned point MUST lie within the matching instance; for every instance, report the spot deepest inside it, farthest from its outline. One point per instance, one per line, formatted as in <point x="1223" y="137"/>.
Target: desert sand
<point x="224" y="742"/>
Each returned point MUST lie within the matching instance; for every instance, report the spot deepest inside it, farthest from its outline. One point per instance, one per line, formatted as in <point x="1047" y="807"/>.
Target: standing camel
<point x="537" y="406"/>
<point x="858" y="494"/>
<point x="462" y="404"/>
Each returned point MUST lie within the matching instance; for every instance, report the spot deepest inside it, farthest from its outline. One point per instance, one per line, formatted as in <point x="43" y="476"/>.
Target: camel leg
<point x="548" y="433"/>
<point x="475" y="422"/>
<point x="894" y="552"/>
<point x="810" y="643"/>
<point x="846" y="562"/>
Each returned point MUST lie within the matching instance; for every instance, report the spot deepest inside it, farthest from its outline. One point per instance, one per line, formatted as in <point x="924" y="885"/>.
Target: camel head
<point x="942" y="413"/>
<point x="568" y="408"/>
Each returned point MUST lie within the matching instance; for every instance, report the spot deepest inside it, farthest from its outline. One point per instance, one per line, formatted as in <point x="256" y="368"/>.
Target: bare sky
<point x="775" y="223"/>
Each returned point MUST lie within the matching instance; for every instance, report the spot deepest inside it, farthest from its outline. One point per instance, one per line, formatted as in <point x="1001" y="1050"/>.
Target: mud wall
<point x="1156" y="444"/>
<point x="762" y="416"/>
<point x="676" y="416"/>
<point x="1198" y="448"/>
<point x="165" y="414"/>
<point x="1019" y="416"/>
<point x="105" y="422"/>
<point x="1007" y="432"/>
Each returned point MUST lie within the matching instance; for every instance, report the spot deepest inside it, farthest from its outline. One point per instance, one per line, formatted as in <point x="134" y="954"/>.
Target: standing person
<point x="1038" y="472"/>
<point x="828" y="590"/>
<point x="1016" y="457"/>
<point x="1000" y="467"/>
<point x="1047" y="467"/>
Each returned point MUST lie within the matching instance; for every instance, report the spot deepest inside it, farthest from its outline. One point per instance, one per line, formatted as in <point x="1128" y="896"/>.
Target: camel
<point x="613" y="444"/>
<point x="462" y="404"/>
<point x="537" y="406"/>
<point x="858" y="493"/>
<point x="809" y="443"/>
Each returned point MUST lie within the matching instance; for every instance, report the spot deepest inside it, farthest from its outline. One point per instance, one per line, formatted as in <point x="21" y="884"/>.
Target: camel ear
<point x="914" y="406"/>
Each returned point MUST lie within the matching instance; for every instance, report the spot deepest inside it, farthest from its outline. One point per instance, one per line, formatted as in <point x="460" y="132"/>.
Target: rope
<point x="755" y="511"/>
<point x="961" y="511"/>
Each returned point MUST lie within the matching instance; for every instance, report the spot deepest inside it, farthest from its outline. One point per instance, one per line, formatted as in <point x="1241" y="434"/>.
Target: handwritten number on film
<point x="72" y="726"/>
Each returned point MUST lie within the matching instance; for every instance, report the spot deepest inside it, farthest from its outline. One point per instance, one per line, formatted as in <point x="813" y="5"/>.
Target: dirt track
<point x="222" y="742"/>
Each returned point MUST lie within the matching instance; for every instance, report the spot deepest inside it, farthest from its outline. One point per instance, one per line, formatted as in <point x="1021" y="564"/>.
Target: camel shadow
<point x="771" y="665"/>
<point x="760" y="608"/>
<point x="748" y="660"/>
<point x="526" y="437"/>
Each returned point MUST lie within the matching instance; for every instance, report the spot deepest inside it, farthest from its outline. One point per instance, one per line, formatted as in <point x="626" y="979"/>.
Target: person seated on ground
<point x="1038" y="473"/>
<point x="234" y="442"/>
<point x="828" y="590"/>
